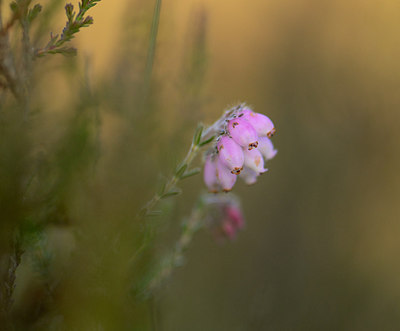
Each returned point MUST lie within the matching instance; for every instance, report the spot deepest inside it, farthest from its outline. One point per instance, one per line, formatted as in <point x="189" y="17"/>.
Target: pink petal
<point x="243" y="133"/>
<point x="230" y="154"/>
<point x="261" y="123"/>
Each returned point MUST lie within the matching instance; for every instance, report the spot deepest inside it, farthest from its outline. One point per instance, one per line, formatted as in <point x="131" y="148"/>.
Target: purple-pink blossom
<point x="241" y="149"/>
<point x="243" y="133"/>
<point x="230" y="154"/>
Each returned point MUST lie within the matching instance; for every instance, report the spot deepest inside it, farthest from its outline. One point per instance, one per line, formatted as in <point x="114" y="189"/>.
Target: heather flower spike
<point x="261" y="123"/>
<point x="230" y="154"/>
<point x="241" y="148"/>
<point x="243" y="133"/>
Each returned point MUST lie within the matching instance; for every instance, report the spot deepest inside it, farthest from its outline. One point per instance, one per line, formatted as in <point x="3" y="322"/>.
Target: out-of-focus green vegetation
<point x="320" y="248"/>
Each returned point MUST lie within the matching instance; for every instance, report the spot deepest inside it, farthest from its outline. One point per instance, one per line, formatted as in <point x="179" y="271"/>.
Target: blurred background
<point x="321" y="244"/>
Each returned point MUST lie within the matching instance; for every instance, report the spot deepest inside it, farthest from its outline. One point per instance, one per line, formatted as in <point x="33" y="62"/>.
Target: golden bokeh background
<point x="320" y="248"/>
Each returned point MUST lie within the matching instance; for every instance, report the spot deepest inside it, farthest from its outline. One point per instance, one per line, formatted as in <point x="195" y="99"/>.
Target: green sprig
<point x="75" y="21"/>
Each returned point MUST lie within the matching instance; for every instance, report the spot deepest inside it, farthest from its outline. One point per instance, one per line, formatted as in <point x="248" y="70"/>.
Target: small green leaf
<point x="207" y="141"/>
<point x="180" y="171"/>
<point x="162" y="189"/>
<point x="191" y="173"/>
<point x="197" y="134"/>
<point x="171" y="193"/>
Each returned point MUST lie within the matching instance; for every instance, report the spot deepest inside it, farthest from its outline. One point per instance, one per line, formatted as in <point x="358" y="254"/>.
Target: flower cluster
<point x="241" y="149"/>
<point x="223" y="215"/>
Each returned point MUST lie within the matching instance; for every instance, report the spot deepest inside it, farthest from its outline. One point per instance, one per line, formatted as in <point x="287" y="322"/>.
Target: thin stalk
<point x="148" y="208"/>
<point x="171" y="183"/>
<point x="152" y="49"/>
<point x="190" y="227"/>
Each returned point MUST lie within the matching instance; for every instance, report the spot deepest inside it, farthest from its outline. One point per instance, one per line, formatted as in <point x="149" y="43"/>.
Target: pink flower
<point x="243" y="133"/>
<point x="266" y="148"/>
<point x="249" y="176"/>
<point x="254" y="161"/>
<point x="230" y="154"/>
<point x="223" y="215"/>
<point x="261" y="123"/>
<point x="225" y="177"/>
<point x="242" y="147"/>
<point x="210" y="174"/>
<point x="232" y="221"/>
<point x="235" y="216"/>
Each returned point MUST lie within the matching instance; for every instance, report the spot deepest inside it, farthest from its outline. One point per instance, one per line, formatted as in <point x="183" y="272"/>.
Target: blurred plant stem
<point x="175" y="259"/>
<point x="200" y="139"/>
<point x="151" y="51"/>
<point x="169" y="188"/>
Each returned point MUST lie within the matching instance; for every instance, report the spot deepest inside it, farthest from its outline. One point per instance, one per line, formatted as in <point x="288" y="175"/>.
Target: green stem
<point x="148" y="208"/>
<point x="151" y="49"/>
<point x="171" y="183"/>
<point x="174" y="260"/>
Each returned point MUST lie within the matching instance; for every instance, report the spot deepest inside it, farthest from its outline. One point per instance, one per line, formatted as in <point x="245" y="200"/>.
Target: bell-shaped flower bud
<point x="243" y="133"/>
<point x="266" y="148"/>
<point x="225" y="177"/>
<point x="254" y="160"/>
<point x="261" y="123"/>
<point x="235" y="216"/>
<point x="230" y="154"/>
<point x="249" y="176"/>
<point x="210" y="174"/>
